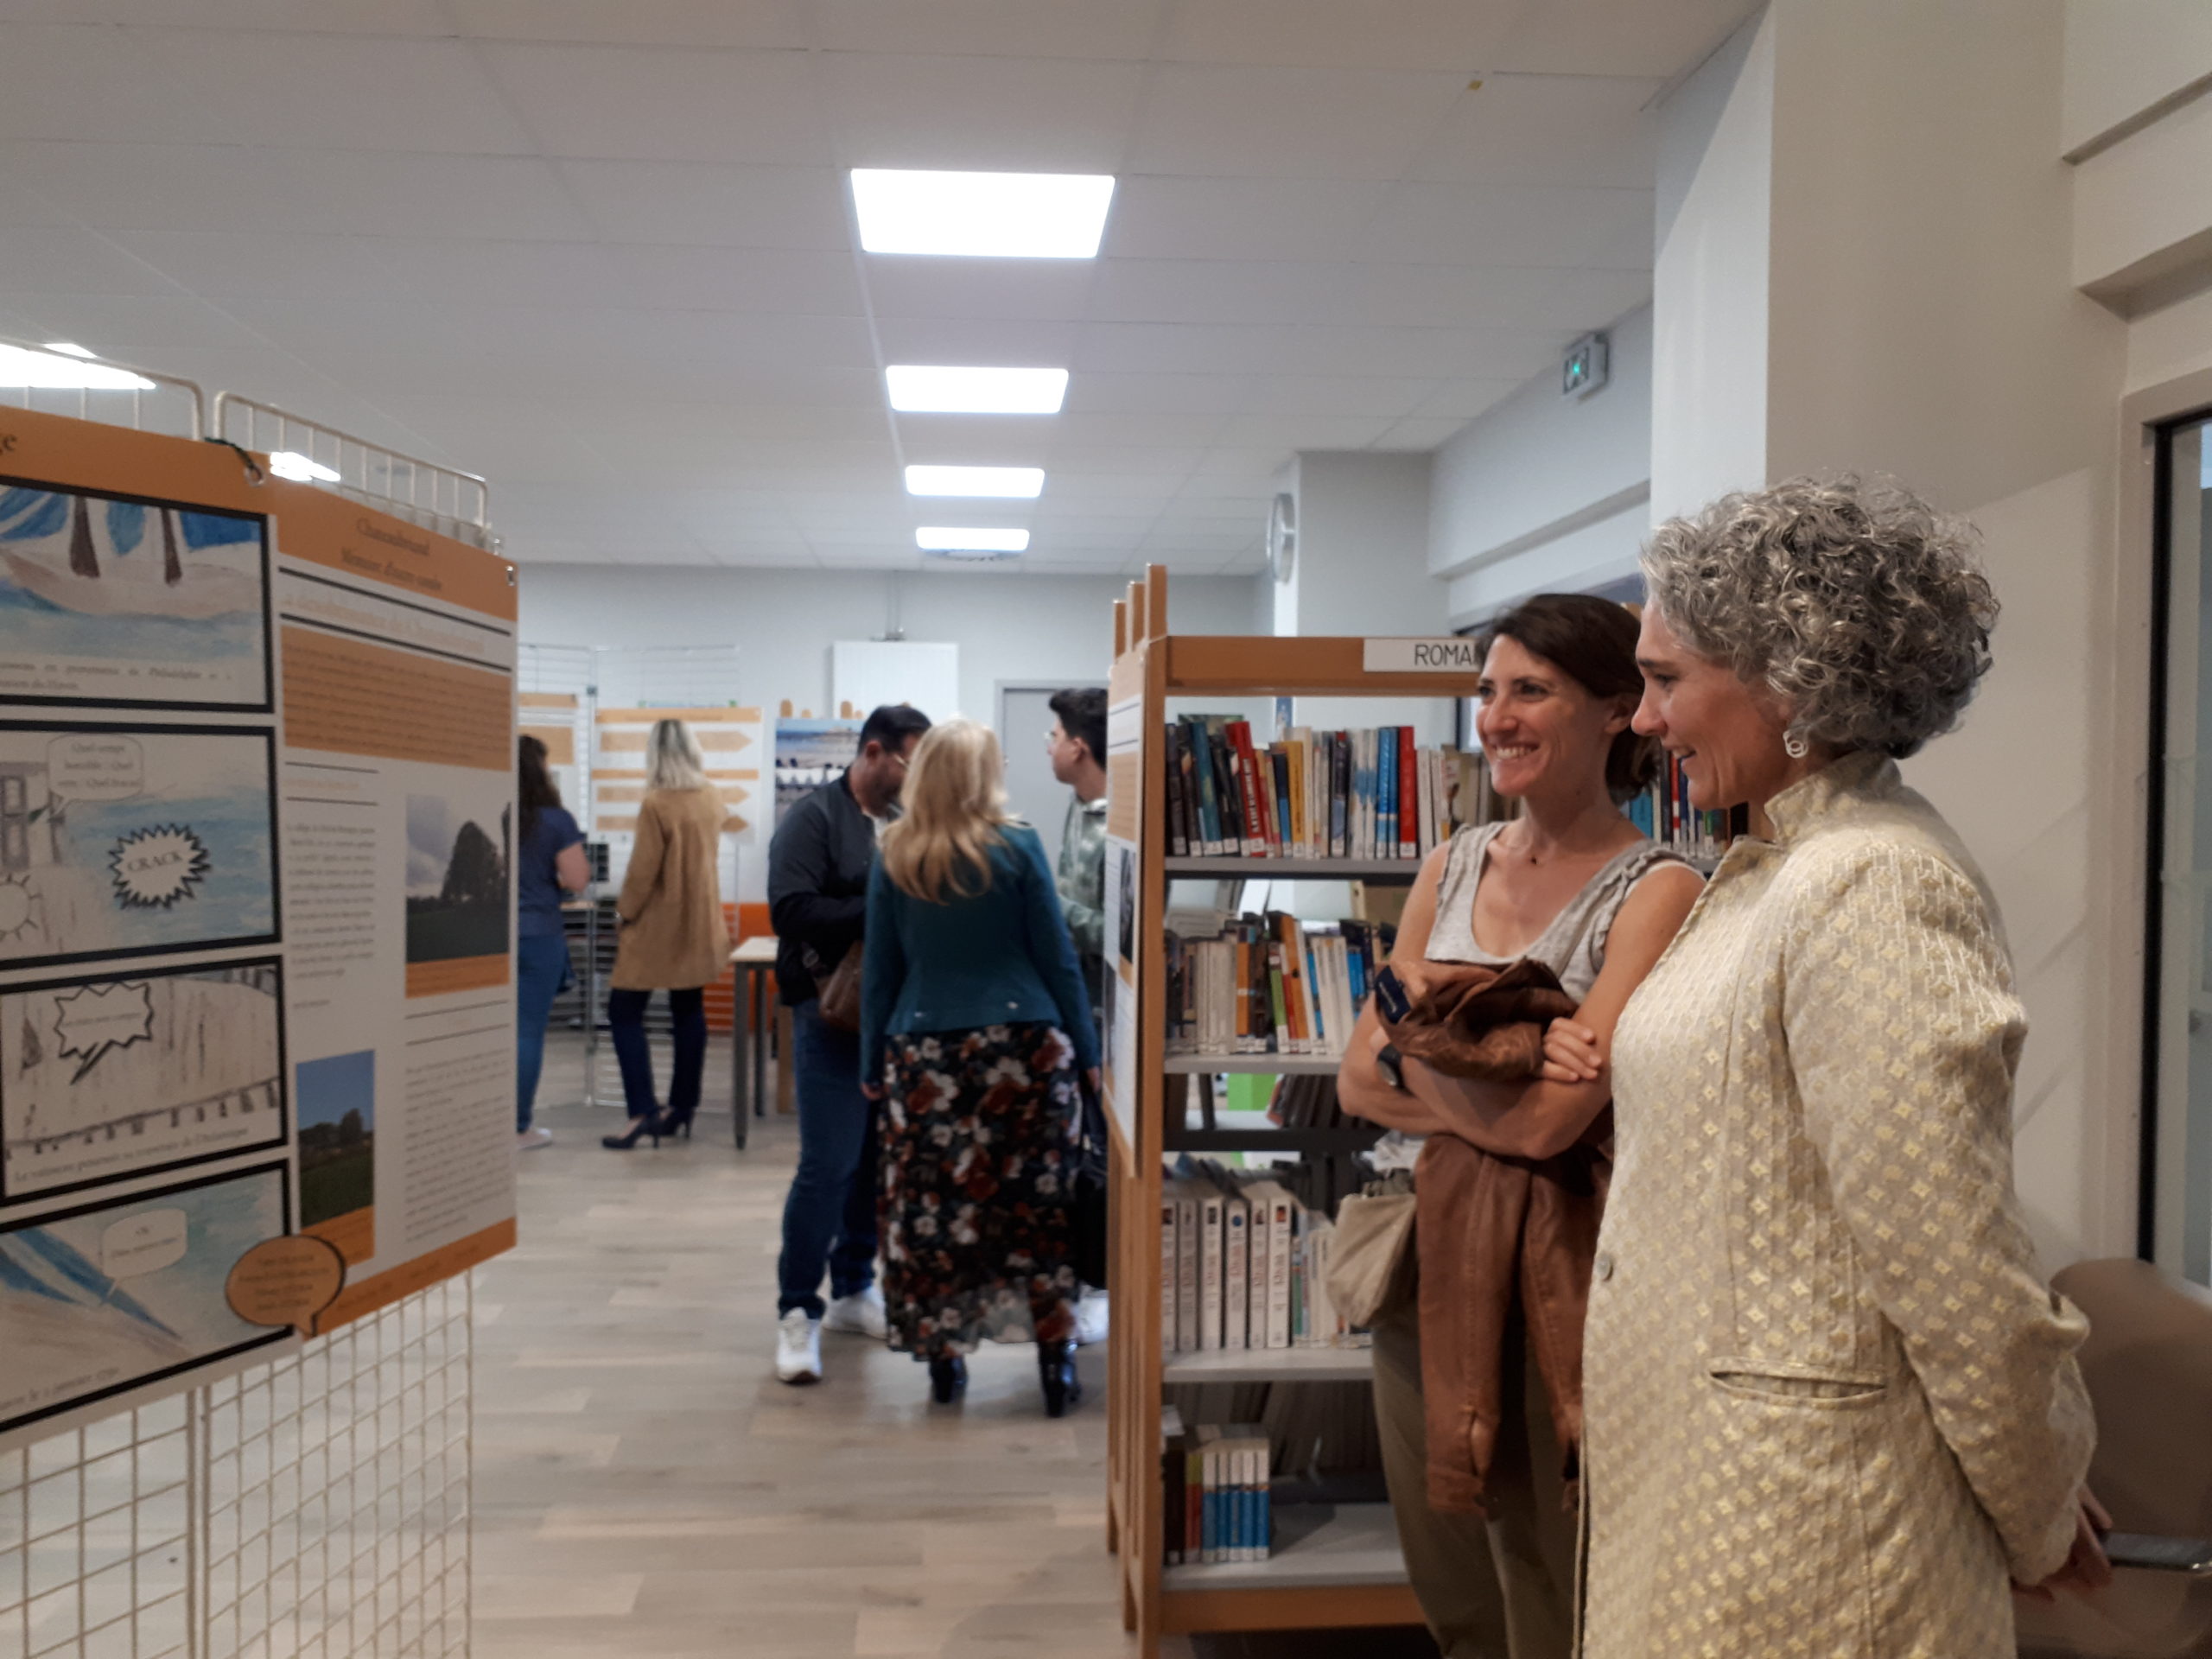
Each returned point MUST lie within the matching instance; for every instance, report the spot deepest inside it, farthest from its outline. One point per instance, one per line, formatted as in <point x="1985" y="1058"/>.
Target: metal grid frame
<point x="118" y="408"/>
<point x="318" y="1506"/>
<point x="452" y="503"/>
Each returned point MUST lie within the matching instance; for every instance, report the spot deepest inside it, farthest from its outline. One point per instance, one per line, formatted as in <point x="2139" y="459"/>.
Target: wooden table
<point x="753" y="963"/>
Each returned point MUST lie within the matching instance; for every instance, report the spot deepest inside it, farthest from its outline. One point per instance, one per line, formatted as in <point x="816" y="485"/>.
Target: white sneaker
<point x="530" y="1138"/>
<point x="861" y="1313"/>
<point x="799" y="1347"/>
<point x="1091" y="1316"/>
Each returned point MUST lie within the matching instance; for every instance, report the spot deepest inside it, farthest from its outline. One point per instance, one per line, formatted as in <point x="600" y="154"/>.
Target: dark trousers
<point x="626" y="1017"/>
<point x="541" y="969"/>
<point x="830" y="1215"/>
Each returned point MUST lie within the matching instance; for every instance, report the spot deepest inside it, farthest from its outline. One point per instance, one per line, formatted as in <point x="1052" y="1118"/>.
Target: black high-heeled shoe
<point x="1056" y="1373"/>
<point x="671" y="1125"/>
<point x="651" y="1124"/>
<point x="948" y="1379"/>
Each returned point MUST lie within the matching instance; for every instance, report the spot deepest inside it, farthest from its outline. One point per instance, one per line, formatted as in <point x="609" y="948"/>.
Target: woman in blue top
<point x="973" y="1026"/>
<point x="550" y="861"/>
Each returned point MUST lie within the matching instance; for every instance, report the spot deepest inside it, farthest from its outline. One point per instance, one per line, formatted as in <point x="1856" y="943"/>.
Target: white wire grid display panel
<point x="665" y="677"/>
<point x="317" y="1507"/>
<point x="174" y="406"/>
<point x="314" y="1508"/>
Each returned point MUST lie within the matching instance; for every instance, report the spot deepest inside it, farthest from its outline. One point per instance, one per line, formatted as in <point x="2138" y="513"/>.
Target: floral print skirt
<point x="979" y="1153"/>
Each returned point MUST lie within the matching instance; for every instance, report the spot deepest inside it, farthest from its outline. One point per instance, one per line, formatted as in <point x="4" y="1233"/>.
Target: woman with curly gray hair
<point x="1831" y="1406"/>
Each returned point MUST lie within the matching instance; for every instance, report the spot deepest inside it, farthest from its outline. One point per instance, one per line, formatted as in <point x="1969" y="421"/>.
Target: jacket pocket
<point x="1778" y="1382"/>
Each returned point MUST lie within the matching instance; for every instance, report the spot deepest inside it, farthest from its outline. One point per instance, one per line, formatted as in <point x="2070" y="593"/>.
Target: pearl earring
<point x="1795" y="747"/>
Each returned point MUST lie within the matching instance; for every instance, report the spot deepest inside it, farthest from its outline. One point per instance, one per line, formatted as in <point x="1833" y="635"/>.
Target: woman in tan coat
<point x="672" y="937"/>
<point x="1831" y="1407"/>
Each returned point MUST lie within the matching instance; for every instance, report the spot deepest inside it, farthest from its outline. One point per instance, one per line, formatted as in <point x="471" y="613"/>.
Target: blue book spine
<point x="1386" y="793"/>
<point x="1209" y="808"/>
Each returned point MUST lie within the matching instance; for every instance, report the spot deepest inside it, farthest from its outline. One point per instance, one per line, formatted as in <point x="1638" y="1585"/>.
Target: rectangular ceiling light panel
<point x="945" y="538"/>
<point x="917" y="388"/>
<point x="983" y="215"/>
<point x="1014" y="482"/>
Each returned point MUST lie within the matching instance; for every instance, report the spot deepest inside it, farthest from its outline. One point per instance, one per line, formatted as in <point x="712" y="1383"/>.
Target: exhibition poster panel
<point x="398" y="651"/>
<point x="147" y="1137"/>
<point x="1124" y="882"/>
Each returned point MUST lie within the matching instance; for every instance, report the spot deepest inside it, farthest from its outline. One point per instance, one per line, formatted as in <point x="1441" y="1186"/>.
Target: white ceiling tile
<point x="1317" y="219"/>
<point x="1014" y="291"/>
<point x="1172" y="348"/>
<point x="1106" y="391"/>
<point x="1252" y="121"/>
<point x="1031" y="114"/>
<point x="1216" y="291"/>
<point x="1541" y="300"/>
<point x="698" y="205"/>
<point x="123" y="325"/>
<point x="1462" y="400"/>
<point x="975" y="441"/>
<point x="978" y="341"/>
<point x="1303" y="431"/>
<point x="1607" y="37"/>
<point x="1481" y="354"/>
<point x="347" y="192"/>
<point x="1368" y="396"/>
<point x="1512" y="224"/>
<point x="665" y="103"/>
<point x="1090" y="427"/>
<point x="758" y="24"/>
<point x="1405" y="35"/>
<point x="1556" y="130"/>
<point x="990" y="29"/>
<point x="52" y="259"/>
<point x="419" y="17"/>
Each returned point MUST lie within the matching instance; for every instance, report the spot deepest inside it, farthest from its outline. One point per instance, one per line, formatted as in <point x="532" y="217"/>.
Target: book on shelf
<point x="1268" y="983"/>
<point x="1370" y="793"/>
<point x="1257" y="1259"/>
<point x="1217" y="1481"/>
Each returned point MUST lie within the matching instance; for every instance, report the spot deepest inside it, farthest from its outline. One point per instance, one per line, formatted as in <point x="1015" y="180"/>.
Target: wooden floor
<point x="646" y="1486"/>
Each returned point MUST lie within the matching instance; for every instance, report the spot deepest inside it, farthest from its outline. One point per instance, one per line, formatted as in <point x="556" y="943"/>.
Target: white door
<point x="1025" y="719"/>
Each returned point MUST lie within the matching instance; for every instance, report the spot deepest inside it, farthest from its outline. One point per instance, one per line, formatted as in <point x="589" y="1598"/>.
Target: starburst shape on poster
<point x="19" y="908"/>
<point x="156" y="866"/>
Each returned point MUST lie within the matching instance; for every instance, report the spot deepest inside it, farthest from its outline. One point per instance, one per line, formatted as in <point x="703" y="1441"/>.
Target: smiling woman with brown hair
<point x="1480" y="1466"/>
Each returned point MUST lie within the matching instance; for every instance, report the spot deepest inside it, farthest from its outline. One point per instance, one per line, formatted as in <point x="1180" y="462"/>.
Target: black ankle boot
<point x="1056" y="1372"/>
<point x="948" y="1379"/>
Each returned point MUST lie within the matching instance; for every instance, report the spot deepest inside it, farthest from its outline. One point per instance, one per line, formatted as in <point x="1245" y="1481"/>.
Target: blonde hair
<point x="956" y="807"/>
<point x="673" y="758"/>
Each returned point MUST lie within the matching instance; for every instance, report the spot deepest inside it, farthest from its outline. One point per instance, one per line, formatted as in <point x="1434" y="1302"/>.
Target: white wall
<point x="1543" y="482"/>
<point x="2124" y="58"/>
<point x="1008" y="627"/>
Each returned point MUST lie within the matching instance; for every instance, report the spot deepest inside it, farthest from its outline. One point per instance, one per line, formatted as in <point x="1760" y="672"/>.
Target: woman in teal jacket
<point x="974" y="1025"/>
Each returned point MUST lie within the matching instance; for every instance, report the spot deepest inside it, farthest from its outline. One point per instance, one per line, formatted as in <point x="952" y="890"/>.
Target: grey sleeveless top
<point x="1573" y="946"/>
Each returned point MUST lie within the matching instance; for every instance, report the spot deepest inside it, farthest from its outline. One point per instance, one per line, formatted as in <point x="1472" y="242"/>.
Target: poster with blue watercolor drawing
<point x="98" y="1301"/>
<point x="121" y="840"/>
<point x="131" y="603"/>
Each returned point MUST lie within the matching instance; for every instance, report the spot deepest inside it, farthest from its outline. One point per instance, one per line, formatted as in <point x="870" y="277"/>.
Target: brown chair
<point x="2148" y="1362"/>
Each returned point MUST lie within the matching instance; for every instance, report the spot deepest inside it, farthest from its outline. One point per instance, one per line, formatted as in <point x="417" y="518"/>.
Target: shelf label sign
<point x="1455" y="655"/>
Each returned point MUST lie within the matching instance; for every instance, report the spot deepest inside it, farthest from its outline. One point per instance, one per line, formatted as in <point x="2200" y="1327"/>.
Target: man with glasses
<point x="817" y="899"/>
<point x="1077" y="746"/>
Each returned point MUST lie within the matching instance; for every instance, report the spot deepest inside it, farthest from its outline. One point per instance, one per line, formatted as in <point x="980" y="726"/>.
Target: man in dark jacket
<point x="818" y="899"/>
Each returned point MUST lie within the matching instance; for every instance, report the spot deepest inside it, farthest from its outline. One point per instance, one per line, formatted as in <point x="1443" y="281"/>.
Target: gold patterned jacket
<point x="1831" y="1404"/>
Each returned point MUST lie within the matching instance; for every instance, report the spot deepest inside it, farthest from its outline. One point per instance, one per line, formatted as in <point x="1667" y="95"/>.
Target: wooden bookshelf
<point x="1336" y="1566"/>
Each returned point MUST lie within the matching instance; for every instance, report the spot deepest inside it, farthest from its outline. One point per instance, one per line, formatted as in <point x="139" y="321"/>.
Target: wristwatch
<point x="1391" y="1065"/>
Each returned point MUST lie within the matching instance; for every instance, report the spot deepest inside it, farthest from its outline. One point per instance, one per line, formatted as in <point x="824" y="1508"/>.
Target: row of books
<point x="1368" y="793"/>
<point x="1218" y="1488"/>
<point x="1663" y="812"/>
<point x="1247" y="1263"/>
<point x="1268" y="984"/>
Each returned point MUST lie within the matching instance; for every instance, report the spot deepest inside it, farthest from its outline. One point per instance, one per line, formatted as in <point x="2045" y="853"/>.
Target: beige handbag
<point x="1373" y="1229"/>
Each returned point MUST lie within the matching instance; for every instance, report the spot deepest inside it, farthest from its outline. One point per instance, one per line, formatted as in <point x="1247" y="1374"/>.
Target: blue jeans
<point x="625" y="1021"/>
<point x="830" y="1216"/>
<point x="541" y="969"/>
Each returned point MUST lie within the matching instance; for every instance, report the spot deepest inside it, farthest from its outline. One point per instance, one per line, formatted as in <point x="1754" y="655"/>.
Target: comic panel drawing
<point x="458" y="856"/>
<point x="96" y="1301"/>
<point x="118" y="840"/>
<point x="104" y="1078"/>
<point x="337" y="1104"/>
<point x="111" y="600"/>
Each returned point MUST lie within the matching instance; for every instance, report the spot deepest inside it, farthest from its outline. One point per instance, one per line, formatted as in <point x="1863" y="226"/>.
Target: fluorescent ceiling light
<point x="986" y="215"/>
<point x="69" y="348"/>
<point x="941" y="539"/>
<point x="1022" y="482"/>
<point x="288" y="463"/>
<point x="44" y="371"/>
<point x="918" y="389"/>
